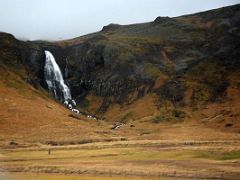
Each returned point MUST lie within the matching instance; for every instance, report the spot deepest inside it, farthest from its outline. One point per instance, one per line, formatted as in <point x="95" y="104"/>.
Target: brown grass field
<point x="32" y="123"/>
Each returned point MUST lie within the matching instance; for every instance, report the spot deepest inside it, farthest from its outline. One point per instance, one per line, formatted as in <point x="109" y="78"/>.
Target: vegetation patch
<point x="151" y="70"/>
<point x="211" y="81"/>
<point x="127" y="117"/>
<point x="160" y="118"/>
<point x="84" y="103"/>
<point x="173" y="91"/>
<point x="179" y="114"/>
<point x="200" y="95"/>
<point x="218" y="155"/>
<point x="170" y="116"/>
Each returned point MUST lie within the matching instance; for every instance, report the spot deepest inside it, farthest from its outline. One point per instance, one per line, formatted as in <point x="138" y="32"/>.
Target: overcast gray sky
<point x="63" y="19"/>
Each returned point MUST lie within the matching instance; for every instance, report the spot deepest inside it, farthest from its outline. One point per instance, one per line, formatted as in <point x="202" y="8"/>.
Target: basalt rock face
<point x="120" y="60"/>
<point x="26" y="56"/>
<point x="122" y="63"/>
<point x="102" y="69"/>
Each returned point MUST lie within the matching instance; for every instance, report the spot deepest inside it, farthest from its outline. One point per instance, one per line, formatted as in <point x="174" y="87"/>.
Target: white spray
<point x="54" y="79"/>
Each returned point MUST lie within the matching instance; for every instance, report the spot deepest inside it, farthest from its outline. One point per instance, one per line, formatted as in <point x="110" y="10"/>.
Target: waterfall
<point x="54" y="79"/>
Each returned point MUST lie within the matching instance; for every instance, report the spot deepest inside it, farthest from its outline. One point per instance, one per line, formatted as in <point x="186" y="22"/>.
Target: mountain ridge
<point x="171" y="70"/>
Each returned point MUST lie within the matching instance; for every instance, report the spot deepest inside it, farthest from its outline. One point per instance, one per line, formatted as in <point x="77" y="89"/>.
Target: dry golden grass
<point x="203" y="159"/>
<point x="198" y="146"/>
<point x="30" y="116"/>
<point x="21" y="176"/>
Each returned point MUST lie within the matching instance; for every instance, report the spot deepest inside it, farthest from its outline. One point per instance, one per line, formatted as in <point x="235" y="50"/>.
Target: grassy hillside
<point x="172" y="72"/>
<point x="32" y="115"/>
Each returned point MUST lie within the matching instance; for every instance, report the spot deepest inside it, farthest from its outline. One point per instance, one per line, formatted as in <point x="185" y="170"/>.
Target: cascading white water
<point x="54" y="79"/>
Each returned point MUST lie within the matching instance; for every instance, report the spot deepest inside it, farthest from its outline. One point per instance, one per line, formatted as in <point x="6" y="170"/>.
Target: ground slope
<point x="174" y="73"/>
<point x="32" y="115"/>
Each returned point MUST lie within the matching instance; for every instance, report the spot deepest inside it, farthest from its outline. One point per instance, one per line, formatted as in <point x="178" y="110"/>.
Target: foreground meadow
<point x="140" y="158"/>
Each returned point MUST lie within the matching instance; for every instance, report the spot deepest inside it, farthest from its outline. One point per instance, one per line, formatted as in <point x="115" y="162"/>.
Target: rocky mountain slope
<point x="168" y="70"/>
